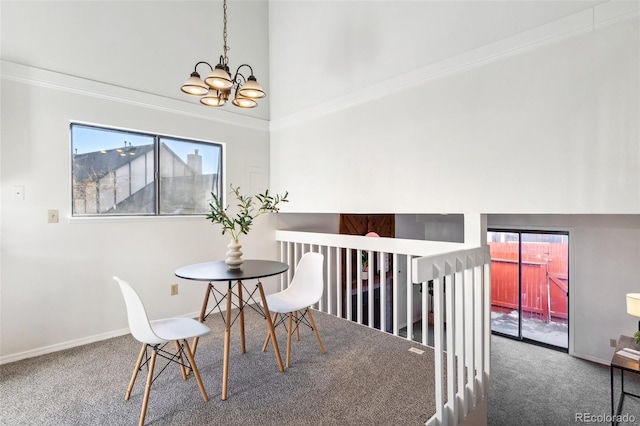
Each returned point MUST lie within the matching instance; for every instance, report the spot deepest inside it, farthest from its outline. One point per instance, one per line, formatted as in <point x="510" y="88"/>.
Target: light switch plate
<point x="53" y="216"/>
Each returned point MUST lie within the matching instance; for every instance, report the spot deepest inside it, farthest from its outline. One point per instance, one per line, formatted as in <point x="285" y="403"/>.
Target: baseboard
<point x="73" y="343"/>
<point x="62" y="346"/>
<point x="592" y="358"/>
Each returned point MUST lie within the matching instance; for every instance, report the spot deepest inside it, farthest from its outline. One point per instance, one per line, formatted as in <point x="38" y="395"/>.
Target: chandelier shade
<point x="219" y="78"/>
<point x="252" y="89"/>
<point x="633" y="304"/>
<point x="216" y="88"/>
<point x="194" y="85"/>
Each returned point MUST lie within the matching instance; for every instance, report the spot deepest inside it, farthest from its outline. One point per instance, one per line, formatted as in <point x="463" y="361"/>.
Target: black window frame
<point x="157" y="178"/>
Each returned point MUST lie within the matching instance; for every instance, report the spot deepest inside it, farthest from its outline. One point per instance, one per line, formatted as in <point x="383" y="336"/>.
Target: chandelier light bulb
<point x="243" y="102"/>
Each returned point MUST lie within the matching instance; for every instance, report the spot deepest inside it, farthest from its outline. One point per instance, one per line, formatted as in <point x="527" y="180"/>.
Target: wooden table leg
<point x="203" y="312"/>
<point x="272" y="330"/>
<point x="227" y="338"/>
<point x="241" y="306"/>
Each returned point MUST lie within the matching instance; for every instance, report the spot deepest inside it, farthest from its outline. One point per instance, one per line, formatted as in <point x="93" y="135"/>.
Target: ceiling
<point x="340" y="46"/>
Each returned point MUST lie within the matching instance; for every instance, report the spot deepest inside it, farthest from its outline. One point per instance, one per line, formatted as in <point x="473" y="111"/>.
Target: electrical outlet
<point x="174" y="289"/>
<point x="53" y="216"/>
<point x="613" y="343"/>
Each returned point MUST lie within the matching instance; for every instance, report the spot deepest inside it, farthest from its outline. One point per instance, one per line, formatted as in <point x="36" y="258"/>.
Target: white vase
<point x="234" y="255"/>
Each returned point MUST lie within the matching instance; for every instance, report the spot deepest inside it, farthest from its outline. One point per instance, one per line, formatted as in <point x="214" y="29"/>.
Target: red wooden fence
<point x="544" y="278"/>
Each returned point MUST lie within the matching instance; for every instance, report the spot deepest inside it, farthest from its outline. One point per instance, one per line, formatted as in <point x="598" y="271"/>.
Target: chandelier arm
<point x="244" y="65"/>
<point x="236" y="79"/>
<point x="195" y="68"/>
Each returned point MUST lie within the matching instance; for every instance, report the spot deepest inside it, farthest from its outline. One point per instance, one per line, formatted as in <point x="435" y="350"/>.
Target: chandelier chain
<point x="219" y="86"/>
<point x="224" y="32"/>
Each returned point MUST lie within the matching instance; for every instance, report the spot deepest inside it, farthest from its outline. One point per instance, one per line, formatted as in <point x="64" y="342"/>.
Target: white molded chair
<point x="155" y="335"/>
<point x="293" y="303"/>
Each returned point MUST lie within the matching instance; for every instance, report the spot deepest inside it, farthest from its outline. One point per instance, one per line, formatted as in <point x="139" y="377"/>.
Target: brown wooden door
<point x="361" y="224"/>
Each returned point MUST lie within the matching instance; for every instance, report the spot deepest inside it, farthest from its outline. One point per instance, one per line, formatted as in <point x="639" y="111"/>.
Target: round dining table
<point x="218" y="271"/>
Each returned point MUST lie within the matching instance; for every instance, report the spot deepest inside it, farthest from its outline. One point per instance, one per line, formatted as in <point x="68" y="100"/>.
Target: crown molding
<point x="588" y="20"/>
<point x="579" y="23"/>
<point x="12" y="71"/>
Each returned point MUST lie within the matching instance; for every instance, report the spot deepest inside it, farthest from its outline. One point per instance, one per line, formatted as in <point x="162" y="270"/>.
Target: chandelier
<point x="217" y="87"/>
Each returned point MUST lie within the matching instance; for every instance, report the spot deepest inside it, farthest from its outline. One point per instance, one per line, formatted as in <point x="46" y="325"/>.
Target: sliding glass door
<point x="530" y="285"/>
<point x="505" y="282"/>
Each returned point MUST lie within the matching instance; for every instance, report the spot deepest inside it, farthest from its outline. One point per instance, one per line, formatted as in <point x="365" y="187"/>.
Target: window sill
<point x="125" y="219"/>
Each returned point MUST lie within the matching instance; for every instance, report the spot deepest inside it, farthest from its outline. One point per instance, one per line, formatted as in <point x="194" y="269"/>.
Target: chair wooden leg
<point x="297" y="328"/>
<point x="289" y="338"/>
<point x="203" y="312"/>
<point x="266" y="340"/>
<point x="135" y="371"/>
<point x="194" y="368"/>
<point x="315" y="329"/>
<point x="147" y="389"/>
<point x="183" y="370"/>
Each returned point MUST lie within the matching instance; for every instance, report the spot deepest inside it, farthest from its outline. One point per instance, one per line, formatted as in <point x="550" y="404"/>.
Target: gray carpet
<point x="532" y="385"/>
<point x="365" y="377"/>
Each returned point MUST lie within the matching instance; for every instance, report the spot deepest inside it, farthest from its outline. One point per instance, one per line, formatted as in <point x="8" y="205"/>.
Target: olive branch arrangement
<point x="249" y="210"/>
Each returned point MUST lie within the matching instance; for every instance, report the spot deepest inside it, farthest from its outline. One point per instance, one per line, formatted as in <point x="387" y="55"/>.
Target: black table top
<point x="219" y="271"/>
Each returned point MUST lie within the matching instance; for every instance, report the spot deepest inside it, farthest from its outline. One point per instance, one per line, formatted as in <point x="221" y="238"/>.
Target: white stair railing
<point x="460" y="276"/>
<point x="462" y="330"/>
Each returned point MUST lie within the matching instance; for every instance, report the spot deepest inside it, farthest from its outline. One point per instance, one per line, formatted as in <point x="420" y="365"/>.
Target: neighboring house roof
<point x="92" y="166"/>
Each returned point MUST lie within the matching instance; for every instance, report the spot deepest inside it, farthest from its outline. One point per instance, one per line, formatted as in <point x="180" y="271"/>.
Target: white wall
<point x="604" y="265"/>
<point x="117" y="64"/>
<point x="553" y="129"/>
<point x="322" y="52"/>
<point x="544" y="122"/>
<point x="56" y="278"/>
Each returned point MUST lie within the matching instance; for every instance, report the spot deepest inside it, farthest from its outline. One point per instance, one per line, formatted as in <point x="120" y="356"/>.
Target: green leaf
<point x="247" y="212"/>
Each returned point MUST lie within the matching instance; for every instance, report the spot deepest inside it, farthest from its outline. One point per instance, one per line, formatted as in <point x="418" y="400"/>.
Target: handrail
<point x="462" y="301"/>
<point x="460" y="279"/>
<point x="388" y="245"/>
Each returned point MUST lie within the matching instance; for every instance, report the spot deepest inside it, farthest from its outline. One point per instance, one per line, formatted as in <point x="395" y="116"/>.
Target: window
<point x="119" y="172"/>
